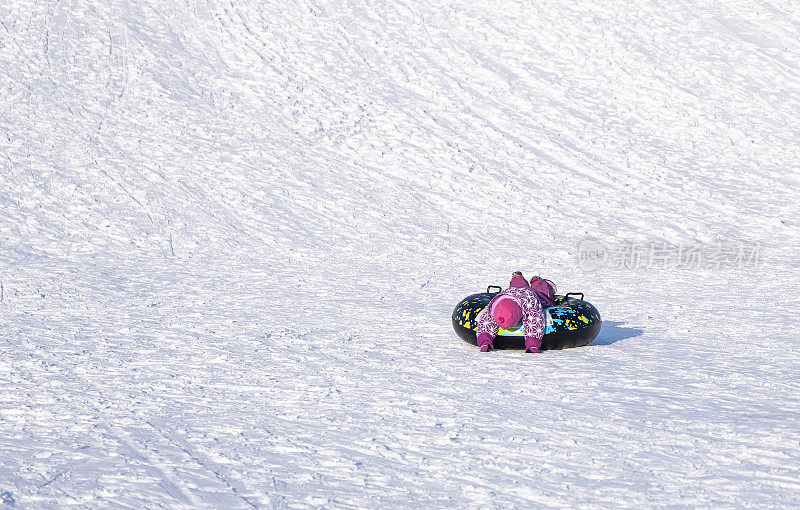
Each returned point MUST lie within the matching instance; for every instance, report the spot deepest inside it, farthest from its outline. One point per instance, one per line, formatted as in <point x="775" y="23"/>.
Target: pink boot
<point x="485" y="342"/>
<point x="519" y="281"/>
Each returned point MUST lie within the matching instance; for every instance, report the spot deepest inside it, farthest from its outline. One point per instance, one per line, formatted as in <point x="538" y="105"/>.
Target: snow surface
<point x="233" y="232"/>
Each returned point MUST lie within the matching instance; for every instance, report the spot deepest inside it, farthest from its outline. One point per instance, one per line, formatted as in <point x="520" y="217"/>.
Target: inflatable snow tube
<point x="571" y="322"/>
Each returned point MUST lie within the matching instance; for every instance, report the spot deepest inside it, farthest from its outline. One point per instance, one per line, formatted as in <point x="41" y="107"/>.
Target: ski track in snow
<point x="233" y="233"/>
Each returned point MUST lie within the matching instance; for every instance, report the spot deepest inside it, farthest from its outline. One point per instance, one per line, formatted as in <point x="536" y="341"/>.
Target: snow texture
<point x="232" y="234"/>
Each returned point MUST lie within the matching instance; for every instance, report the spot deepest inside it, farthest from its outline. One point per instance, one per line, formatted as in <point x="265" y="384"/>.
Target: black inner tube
<point x="564" y="335"/>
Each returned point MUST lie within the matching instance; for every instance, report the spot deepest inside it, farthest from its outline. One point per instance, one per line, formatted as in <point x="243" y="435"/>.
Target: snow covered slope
<point x="233" y="233"/>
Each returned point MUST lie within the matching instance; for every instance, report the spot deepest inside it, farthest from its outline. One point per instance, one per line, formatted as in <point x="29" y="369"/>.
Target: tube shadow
<point x="611" y="332"/>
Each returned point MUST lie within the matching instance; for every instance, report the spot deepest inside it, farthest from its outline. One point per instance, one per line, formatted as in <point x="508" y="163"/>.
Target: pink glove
<point x="485" y="342"/>
<point x="533" y="344"/>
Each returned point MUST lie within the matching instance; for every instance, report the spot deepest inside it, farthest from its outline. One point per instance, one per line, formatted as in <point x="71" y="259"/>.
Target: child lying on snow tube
<point x="521" y="300"/>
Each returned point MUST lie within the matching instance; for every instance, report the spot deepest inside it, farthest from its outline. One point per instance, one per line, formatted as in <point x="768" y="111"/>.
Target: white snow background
<point x="232" y="234"/>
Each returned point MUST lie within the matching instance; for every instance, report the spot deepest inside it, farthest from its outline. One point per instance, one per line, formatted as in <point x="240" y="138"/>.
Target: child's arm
<point x="487" y="329"/>
<point x="533" y="322"/>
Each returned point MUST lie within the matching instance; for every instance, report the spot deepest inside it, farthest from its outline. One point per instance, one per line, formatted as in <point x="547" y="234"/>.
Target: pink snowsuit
<point x="532" y="316"/>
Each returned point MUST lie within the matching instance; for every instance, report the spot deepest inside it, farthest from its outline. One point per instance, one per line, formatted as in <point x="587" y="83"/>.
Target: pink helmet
<point x="506" y="312"/>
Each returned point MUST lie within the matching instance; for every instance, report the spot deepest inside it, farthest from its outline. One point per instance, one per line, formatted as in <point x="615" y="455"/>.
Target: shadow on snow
<point x="612" y="332"/>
